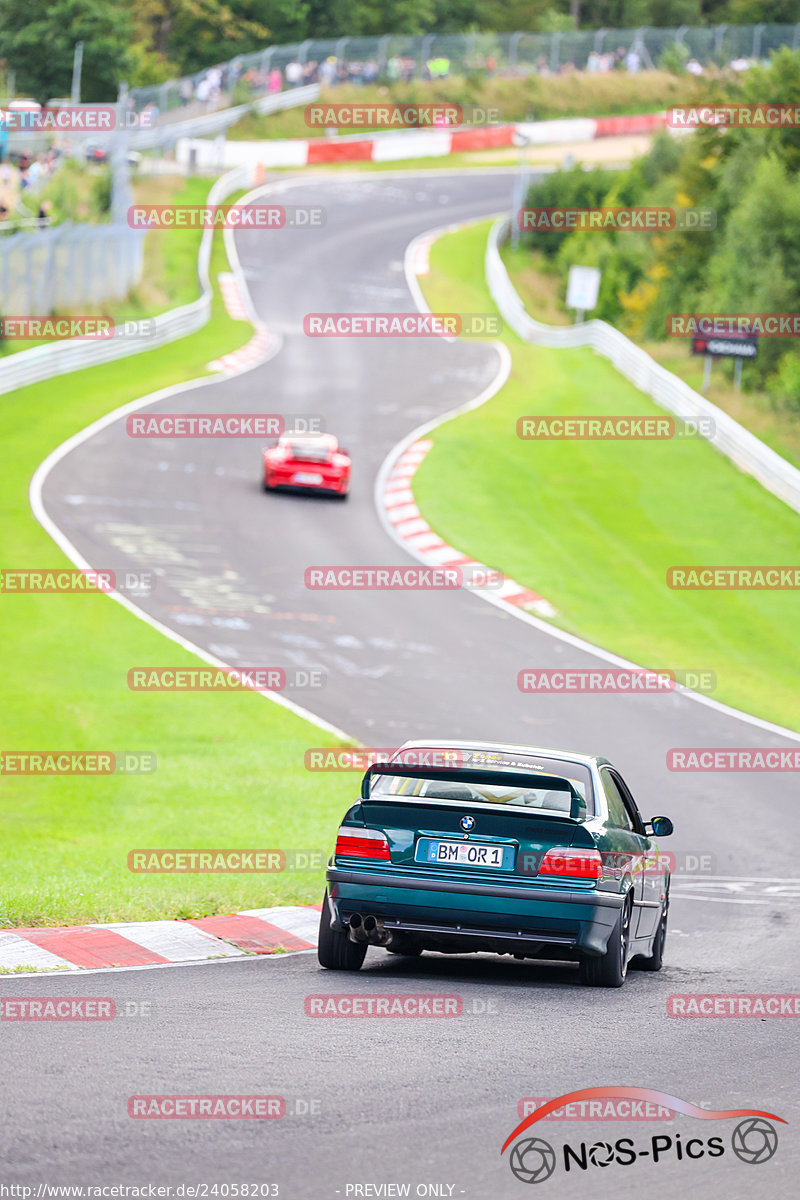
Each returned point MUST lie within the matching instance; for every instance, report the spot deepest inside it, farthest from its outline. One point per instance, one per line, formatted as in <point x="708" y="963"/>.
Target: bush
<point x="783" y="386"/>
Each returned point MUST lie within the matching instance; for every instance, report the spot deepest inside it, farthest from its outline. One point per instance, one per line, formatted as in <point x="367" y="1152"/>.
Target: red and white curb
<point x="261" y="345"/>
<point x="397" y="145"/>
<point x="153" y="943"/>
<point x="416" y="534"/>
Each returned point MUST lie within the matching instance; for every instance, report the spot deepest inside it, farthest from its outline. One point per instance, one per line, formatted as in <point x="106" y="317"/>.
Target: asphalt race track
<point x="378" y="1102"/>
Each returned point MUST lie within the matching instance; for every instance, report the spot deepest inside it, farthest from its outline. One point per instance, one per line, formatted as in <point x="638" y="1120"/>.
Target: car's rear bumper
<point x="333" y="486"/>
<point x="474" y="912"/>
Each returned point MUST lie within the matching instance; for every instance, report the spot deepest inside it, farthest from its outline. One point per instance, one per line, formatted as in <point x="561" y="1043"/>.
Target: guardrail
<point x="166" y="133"/>
<point x="728" y="436"/>
<point x="59" y="358"/>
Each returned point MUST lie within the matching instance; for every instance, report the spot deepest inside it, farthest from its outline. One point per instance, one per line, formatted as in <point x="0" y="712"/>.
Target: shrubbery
<point x="751" y="260"/>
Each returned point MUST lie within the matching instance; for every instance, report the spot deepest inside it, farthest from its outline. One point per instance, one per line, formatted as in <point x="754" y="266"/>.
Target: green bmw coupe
<point x="458" y="847"/>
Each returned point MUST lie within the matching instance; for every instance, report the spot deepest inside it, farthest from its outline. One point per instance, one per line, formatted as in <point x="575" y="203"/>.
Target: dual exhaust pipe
<point x="369" y="929"/>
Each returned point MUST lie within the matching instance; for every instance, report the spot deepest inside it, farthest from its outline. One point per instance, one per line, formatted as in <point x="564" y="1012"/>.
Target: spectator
<point x="327" y="71"/>
<point x="9" y="186"/>
<point x="491" y="66"/>
<point x="294" y="73"/>
<point x="274" y="81"/>
<point x="24" y="162"/>
<point x="186" y="92"/>
<point x="394" y="68"/>
<point x="37" y="172"/>
<point x="632" y="61"/>
<point x="694" y="67"/>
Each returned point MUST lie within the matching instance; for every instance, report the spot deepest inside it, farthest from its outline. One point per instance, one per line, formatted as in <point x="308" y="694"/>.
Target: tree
<point x="37" y="39"/>
<point x="197" y="33"/>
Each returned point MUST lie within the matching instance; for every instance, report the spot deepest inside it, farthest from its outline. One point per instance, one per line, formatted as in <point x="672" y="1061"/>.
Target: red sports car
<point x="308" y="463"/>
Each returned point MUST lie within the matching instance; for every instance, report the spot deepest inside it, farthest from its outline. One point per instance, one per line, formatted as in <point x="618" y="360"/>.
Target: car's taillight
<point x="362" y="843"/>
<point x="572" y="864"/>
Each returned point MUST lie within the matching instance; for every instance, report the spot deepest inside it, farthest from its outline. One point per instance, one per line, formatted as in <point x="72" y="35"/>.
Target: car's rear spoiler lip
<point x="473" y="775"/>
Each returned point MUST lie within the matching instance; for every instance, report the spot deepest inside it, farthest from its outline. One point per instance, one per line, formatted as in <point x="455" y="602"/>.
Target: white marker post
<point x="583" y="288"/>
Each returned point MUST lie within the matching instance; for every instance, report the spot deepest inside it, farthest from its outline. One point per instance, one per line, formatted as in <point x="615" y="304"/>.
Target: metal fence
<point x="52" y="270"/>
<point x="381" y="59"/>
<point x="725" y="434"/>
<point x="58" y="358"/>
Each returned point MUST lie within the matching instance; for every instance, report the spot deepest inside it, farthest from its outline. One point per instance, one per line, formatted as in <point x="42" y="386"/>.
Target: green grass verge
<point x="230" y="766"/>
<point x="593" y="526"/>
<point x="542" y="287"/>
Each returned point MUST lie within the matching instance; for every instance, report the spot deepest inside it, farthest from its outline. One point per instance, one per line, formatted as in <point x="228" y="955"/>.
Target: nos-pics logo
<point x="754" y="1139"/>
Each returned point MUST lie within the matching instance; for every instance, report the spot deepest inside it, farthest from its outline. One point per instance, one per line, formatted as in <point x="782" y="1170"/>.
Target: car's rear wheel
<point x="655" y="961"/>
<point x="334" y="948"/>
<point x="609" y="969"/>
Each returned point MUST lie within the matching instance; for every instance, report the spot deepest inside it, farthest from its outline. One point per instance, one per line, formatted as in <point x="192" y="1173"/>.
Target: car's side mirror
<point x="661" y="826"/>
<point x="343" y="451"/>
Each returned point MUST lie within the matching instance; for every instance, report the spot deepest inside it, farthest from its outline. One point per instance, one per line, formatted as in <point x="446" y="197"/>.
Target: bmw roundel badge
<point x="467" y="822"/>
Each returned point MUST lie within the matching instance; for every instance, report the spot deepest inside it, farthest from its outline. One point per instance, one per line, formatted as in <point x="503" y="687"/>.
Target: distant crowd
<point x="208" y="89"/>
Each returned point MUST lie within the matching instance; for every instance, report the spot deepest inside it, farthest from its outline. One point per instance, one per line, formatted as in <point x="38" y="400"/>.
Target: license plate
<point x="465" y="854"/>
<point x="305" y="477"/>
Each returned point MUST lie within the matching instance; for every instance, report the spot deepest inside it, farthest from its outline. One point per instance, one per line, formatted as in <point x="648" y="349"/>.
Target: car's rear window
<point x="309" y="452"/>
<point x="527" y="796"/>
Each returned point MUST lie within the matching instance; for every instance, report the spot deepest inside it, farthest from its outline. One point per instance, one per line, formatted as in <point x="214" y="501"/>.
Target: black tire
<point x="335" y="951"/>
<point x="609" y="970"/>
<point x="655" y="961"/>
